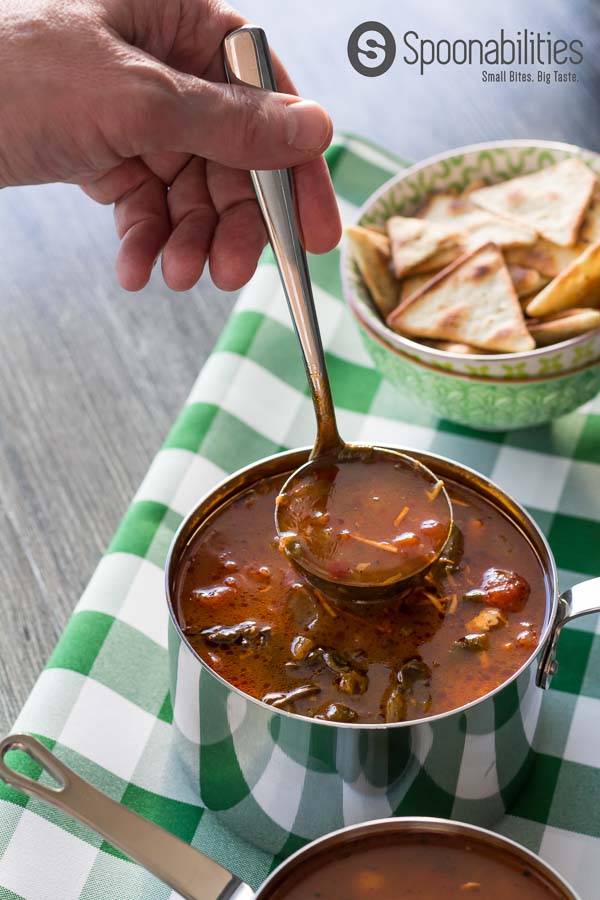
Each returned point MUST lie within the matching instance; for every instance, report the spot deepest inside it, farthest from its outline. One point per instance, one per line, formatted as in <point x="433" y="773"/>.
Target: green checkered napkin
<point x="102" y="702"/>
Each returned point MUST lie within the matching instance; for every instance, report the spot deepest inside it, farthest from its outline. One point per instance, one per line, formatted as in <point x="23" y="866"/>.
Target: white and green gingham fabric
<point x="102" y="702"/>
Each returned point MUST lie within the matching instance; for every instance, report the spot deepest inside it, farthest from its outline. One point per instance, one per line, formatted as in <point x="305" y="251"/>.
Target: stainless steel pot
<point x="195" y="876"/>
<point x="280" y="779"/>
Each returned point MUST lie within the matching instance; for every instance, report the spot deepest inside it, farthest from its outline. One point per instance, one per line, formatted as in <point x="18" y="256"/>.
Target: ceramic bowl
<point x="455" y="170"/>
<point x="478" y="401"/>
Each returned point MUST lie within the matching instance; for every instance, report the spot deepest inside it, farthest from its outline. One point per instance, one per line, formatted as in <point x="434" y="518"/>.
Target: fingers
<point x="317" y="207"/>
<point x="138" y="188"/>
<point x="237" y="244"/>
<point x="166" y="165"/>
<point x="166" y="117"/>
<point x="193" y="219"/>
<point x="246" y="128"/>
<point x="142" y="222"/>
<point x="189" y="224"/>
<point x="240" y="234"/>
<point x="141" y="218"/>
<point x="108" y="187"/>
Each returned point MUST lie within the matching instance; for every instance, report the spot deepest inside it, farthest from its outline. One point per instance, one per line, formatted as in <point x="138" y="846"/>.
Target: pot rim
<point x="551" y="576"/>
<point x="420" y="824"/>
<point x="387" y="335"/>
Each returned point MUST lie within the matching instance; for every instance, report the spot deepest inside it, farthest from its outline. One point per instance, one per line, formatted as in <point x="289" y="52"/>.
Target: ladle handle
<point x="248" y="63"/>
<point x="185" y="870"/>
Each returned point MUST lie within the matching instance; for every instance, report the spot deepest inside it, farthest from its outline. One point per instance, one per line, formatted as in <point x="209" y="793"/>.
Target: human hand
<point x="127" y="99"/>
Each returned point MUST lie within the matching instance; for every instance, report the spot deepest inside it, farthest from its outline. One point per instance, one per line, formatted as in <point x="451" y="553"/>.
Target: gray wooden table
<point x="91" y="378"/>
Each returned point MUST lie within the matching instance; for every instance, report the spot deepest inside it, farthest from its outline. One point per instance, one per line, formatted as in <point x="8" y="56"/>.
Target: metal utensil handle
<point x="248" y="63"/>
<point x="187" y="871"/>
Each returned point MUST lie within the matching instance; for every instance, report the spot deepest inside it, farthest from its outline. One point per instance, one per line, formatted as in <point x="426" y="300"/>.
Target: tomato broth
<point x="444" y="639"/>
<point x="416" y="867"/>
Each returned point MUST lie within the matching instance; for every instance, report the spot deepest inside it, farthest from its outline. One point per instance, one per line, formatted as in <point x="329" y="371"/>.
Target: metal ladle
<point x="248" y="63"/>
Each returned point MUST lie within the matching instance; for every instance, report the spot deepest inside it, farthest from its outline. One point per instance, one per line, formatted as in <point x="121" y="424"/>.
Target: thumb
<point x="242" y="127"/>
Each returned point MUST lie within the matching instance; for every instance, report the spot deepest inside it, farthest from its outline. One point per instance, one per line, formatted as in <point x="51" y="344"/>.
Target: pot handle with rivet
<point x="187" y="871"/>
<point x="580" y="600"/>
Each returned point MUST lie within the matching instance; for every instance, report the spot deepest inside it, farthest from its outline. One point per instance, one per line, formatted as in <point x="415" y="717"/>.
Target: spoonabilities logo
<point x="371" y="49"/>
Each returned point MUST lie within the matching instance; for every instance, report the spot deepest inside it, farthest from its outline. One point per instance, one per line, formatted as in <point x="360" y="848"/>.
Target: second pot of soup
<point x="296" y="715"/>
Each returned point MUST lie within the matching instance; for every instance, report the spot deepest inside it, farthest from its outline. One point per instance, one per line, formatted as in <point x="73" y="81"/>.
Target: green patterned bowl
<point x="490" y="404"/>
<point x="455" y="170"/>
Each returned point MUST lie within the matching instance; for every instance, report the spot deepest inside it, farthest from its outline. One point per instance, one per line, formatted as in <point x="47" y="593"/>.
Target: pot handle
<point x="185" y="870"/>
<point x="580" y="600"/>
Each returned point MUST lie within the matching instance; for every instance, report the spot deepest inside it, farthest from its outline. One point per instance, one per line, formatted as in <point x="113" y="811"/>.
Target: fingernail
<point x="308" y="125"/>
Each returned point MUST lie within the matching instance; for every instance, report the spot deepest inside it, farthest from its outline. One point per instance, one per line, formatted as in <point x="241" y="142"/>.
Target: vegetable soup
<point x="404" y="866"/>
<point x="446" y="638"/>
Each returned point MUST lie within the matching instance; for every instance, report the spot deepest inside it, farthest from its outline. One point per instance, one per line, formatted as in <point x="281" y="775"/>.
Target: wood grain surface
<point x="91" y="378"/>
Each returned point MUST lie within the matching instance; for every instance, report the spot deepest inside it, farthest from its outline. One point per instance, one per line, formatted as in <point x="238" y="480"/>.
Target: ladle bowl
<point x="351" y="565"/>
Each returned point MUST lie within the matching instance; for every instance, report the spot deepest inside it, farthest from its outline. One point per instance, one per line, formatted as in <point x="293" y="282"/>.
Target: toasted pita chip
<point x="552" y="201"/>
<point x="444" y="257"/>
<point x="590" y="230"/>
<point x="455" y="347"/>
<point x="563" y="326"/>
<point x="527" y="281"/>
<point x="578" y="285"/>
<point x="550" y="259"/>
<point x="477" y="226"/>
<point x="414" y="240"/>
<point x="378" y="229"/>
<point x="472" y="302"/>
<point x="474" y="186"/>
<point x="413" y="283"/>
<point x="371" y="251"/>
<point x="524" y="302"/>
<point x="546" y="258"/>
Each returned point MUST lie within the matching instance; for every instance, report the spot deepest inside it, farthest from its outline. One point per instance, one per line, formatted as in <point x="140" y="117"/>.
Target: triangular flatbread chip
<point x="477" y="226"/>
<point x="371" y="250"/>
<point x="439" y="260"/>
<point x="413" y="283"/>
<point x="454" y="347"/>
<point x="577" y="286"/>
<point x="552" y="201"/>
<point x="543" y="256"/>
<point x="472" y="302"/>
<point x="474" y="186"/>
<point x="523" y="301"/>
<point x="413" y="241"/>
<point x="564" y="325"/>
<point x="590" y="230"/>
<point x="527" y="281"/>
<point x="378" y="229"/>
